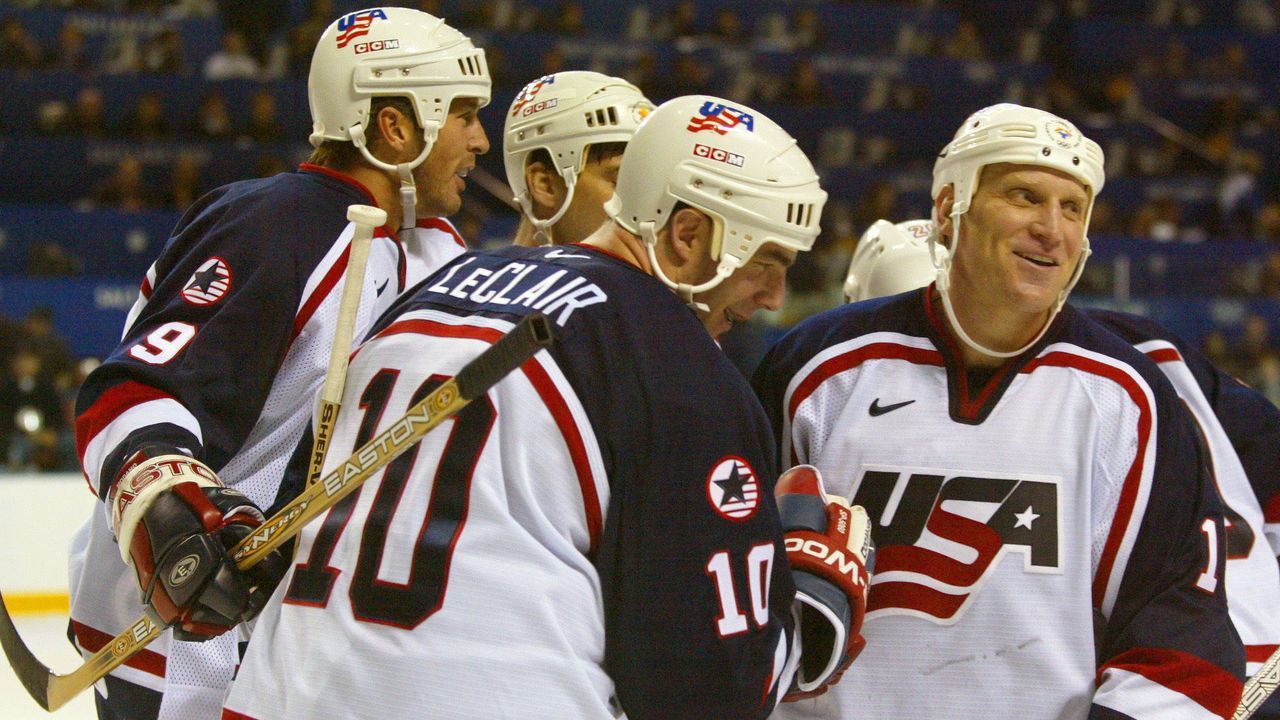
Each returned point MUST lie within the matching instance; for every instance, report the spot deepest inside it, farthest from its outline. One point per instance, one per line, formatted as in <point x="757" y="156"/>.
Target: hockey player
<point x="596" y="536"/>
<point x="186" y="429"/>
<point x="1049" y="541"/>
<point x="562" y="145"/>
<point x="1236" y="422"/>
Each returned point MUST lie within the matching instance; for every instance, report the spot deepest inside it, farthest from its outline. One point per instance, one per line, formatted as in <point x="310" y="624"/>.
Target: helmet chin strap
<point x="542" y="232"/>
<point x="408" y="188"/>
<point x="944" y="290"/>
<point x="686" y="292"/>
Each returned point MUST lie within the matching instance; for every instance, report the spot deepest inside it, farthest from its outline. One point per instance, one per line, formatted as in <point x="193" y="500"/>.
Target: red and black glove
<point x="175" y="523"/>
<point x="830" y="550"/>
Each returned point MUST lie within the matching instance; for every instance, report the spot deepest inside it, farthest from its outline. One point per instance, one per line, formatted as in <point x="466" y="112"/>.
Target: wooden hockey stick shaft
<point x="1259" y="687"/>
<point x="52" y="690"/>
<point x="367" y="219"/>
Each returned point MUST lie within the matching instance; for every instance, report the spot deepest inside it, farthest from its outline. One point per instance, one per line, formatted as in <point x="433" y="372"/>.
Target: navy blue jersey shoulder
<point x="670" y="414"/>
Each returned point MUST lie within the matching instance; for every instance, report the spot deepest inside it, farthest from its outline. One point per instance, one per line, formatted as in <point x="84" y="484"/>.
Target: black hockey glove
<point x="830" y="550"/>
<point x="175" y="522"/>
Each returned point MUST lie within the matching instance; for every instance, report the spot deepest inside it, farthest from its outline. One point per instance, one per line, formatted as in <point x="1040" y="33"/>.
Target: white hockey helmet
<point x="890" y="259"/>
<point x="729" y="161"/>
<point x="564" y="114"/>
<point x="1009" y="133"/>
<point x="391" y="51"/>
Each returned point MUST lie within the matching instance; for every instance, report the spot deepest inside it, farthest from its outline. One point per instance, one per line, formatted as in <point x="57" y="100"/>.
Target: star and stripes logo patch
<point x="209" y="283"/>
<point x="732" y="489"/>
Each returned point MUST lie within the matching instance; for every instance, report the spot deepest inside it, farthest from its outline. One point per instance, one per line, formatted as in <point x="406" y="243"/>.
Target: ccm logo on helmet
<point x="539" y="107"/>
<point x="847" y="565"/>
<point x="376" y="45"/>
<point x="356" y="24"/>
<point x="723" y="156"/>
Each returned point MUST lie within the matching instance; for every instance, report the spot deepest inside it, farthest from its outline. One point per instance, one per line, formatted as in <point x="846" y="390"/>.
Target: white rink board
<point x="38" y="515"/>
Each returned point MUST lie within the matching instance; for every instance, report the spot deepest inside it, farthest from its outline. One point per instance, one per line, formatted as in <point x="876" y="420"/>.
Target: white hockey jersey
<point x="1049" y="544"/>
<point x="223" y="355"/>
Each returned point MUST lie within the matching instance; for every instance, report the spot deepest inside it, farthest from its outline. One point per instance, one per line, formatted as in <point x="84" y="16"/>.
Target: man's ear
<point x="942" y="214"/>
<point x="690" y="234"/>
<point x="546" y="187"/>
<point x="394" y="134"/>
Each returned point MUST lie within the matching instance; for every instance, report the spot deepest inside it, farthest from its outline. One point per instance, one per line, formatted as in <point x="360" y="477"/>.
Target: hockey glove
<point x="830" y="550"/>
<point x="175" y="522"/>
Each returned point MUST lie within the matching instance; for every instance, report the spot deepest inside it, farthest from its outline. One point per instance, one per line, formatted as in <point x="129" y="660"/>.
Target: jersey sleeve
<point x="1168" y="648"/>
<point x="216" y="316"/>
<point x="697" y="587"/>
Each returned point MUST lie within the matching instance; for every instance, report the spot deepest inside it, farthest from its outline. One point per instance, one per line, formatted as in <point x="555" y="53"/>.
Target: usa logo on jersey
<point x="208" y="284"/>
<point x="529" y="92"/>
<point x="357" y="24"/>
<point x="939" y="535"/>
<point x="732" y="488"/>
<point x="720" y="118"/>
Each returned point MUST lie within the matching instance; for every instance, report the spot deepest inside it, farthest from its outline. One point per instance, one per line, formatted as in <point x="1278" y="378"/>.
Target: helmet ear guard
<point x="391" y="51"/>
<point x="564" y="114"/>
<point x="725" y="160"/>
<point x="1009" y="133"/>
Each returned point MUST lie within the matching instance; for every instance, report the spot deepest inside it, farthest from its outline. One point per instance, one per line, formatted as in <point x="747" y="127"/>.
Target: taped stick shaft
<point x="366" y="219"/>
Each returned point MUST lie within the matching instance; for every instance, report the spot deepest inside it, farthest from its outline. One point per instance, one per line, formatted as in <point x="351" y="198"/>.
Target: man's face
<point x="761" y="283"/>
<point x="594" y="187"/>
<point x="1021" y="240"/>
<point x="439" y="177"/>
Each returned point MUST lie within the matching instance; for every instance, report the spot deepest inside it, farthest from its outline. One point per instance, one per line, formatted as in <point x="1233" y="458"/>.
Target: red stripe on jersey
<point x="437" y="223"/>
<point x="1211" y="687"/>
<point x="94" y="640"/>
<point x="1271" y="510"/>
<point x="309" y="167"/>
<point x="555" y="403"/>
<point x="109" y="406"/>
<point x="1165" y="355"/>
<point x="1259" y="653"/>
<point x="853" y="358"/>
<point x="233" y="715"/>
<point x="1133" y="480"/>
<point x="321" y="292"/>
<point x="914" y="596"/>
<point x="551" y="397"/>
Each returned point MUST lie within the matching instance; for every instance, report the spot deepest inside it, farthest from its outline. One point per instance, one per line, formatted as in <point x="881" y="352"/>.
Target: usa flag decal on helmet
<point x="208" y="284"/>
<point x="732" y="488"/>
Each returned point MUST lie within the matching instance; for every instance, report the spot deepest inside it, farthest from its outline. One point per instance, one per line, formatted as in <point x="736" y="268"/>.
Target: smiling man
<point x="1050" y="544"/>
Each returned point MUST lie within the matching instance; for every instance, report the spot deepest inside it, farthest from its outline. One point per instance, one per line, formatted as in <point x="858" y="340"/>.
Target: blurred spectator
<point x="1239" y="196"/>
<point x="1269" y="276"/>
<point x="185" y="183"/>
<point x="964" y="43"/>
<point x="232" y="60"/>
<point x="1267" y="225"/>
<point x="803" y="87"/>
<point x="256" y="23"/>
<point x="806" y="31"/>
<point x="302" y="38"/>
<point x="18" y="49"/>
<point x="31" y="415"/>
<point x="878" y="201"/>
<point x="726" y="29"/>
<point x="681" y="23"/>
<point x="125" y="189"/>
<point x="88" y="114"/>
<point x="552" y="61"/>
<point x="1157" y="219"/>
<point x="268" y="165"/>
<point x="567" y="19"/>
<point x="1254" y="344"/>
<point x="213" y="119"/>
<point x="39" y="336"/>
<point x="148" y="119"/>
<point x="52" y="118"/>
<point x="68" y="52"/>
<point x="49" y="259"/>
<point x="1258" y="16"/>
<point x="263" y="125"/>
<point x="163" y="55"/>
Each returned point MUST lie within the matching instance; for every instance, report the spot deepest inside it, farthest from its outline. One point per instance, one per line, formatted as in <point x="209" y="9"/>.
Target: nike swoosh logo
<point x="877" y="409"/>
<point x="383" y="286"/>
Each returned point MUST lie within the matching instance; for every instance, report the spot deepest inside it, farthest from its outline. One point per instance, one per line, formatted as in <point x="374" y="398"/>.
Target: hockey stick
<point x="366" y="218"/>
<point x="52" y="690"/>
<point x="1259" y="687"/>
